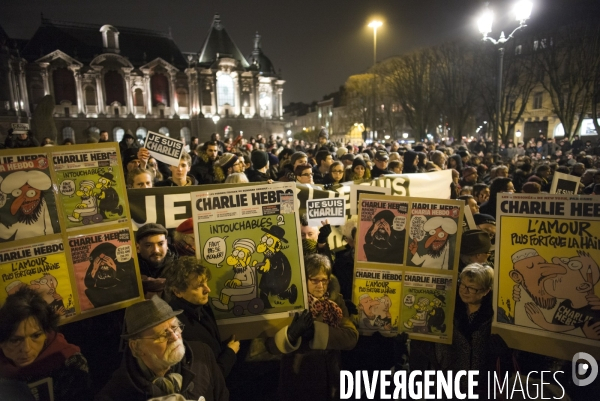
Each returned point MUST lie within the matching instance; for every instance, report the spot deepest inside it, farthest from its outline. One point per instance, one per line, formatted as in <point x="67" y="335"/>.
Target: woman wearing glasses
<point x="311" y="344"/>
<point x="473" y="346"/>
<point x="335" y="177"/>
<point x="32" y="350"/>
<point x="304" y="174"/>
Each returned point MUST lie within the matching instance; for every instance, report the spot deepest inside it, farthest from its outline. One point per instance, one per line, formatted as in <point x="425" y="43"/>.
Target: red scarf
<point x="330" y="311"/>
<point x="56" y="351"/>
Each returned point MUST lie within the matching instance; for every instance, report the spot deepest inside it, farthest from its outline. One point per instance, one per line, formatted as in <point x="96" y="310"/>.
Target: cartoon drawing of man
<point x="437" y="245"/>
<point x="14" y="287"/>
<point x="89" y="203"/>
<point x="244" y="274"/>
<point x="46" y="287"/>
<point x="418" y="323"/>
<point x="437" y="314"/>
<point x="109" y="198"/>
<point x="580" y="306"/>
<point x="382" y="243"/>
<point x="28" y="206"/>
<point x="530" y="272"/>
<point x="375" y="312"/>
<point x="107" y="280"/>
<point x="277" y="270"/>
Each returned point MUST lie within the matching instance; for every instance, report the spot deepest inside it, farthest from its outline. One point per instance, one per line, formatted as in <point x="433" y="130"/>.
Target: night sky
<point x="317" y="44"/>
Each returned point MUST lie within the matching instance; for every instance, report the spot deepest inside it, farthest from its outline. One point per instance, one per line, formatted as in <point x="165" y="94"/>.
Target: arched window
<point x="159" y="85"/>
<point x="115" y="87"/>
<point x="90" y="96"/>
<point x="118" y="134"/>
<point x="68" y="132"/>
<point x="94" y="130"/>
<point x="138" y="98"/>
<point x="64" y="86"/>
<point x="186" y="134"/>
<point x="164" y="131"/>
<point x="182" y="97"/>
<point x="140" y="134"/>
<point x="225" y="94"/>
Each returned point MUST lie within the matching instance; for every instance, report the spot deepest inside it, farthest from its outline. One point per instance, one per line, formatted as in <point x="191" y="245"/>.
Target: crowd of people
<point x="170" y="343"/>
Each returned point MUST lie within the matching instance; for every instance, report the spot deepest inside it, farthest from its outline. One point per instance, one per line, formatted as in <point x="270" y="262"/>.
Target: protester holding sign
<point x="311" y="344"/>
<point x="179" y="174"/>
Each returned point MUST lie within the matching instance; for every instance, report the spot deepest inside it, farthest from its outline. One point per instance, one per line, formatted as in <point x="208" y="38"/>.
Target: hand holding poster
<point x="377" y="294"/>
<point x="564" y="184"/>
<point x="546" y="288"/>
<point x="319" y="210"/>
<point x="427" y="303"/>
<point x="163" y="148"/>
<point x="253" y="251"/>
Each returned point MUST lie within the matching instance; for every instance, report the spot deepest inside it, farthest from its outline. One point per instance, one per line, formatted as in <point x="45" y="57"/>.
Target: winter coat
<point x="203" y="170"/>
<point x="310" y="370"/>
<point x="471" y="347"/>
<point x="200" y="325"/>
<point x="58" y="360"/>
<point x="256" y="176"/>
<point x="190" y="180"/>
<point x="198" y="368"/>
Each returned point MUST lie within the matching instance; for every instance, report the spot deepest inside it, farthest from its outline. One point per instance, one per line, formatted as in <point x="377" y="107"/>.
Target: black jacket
<point x="200" y="325"/>
<point x="203" y="170"/>
<point x="256" y="176"/>
<point x="201" y="378"/>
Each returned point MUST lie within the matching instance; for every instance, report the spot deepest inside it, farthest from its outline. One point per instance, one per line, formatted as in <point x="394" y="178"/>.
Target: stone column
<point x="78" y="88"/>
<point x="24" y="93"/>
<point x="174" y="104"/>
<point x="237" y="86"/>
<point x="128" y="94"/>
<point x="100" y="91"/>
<point x="215" y="105"/>
<point x="147" y="92"/>
<point x="280" y="101"/>
<point x="44" y="73"/>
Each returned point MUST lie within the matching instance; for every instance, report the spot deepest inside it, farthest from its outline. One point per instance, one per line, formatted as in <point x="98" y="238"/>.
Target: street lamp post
<point x="374" y="24"/>
<point x="522" y="12"/>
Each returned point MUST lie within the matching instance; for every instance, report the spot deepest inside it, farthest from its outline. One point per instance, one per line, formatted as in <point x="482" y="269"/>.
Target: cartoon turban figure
<point x="28" y="205"/>
<point x="382" y="243"/>
<point x="437" y="245"/>
<point x="109" y="198"/>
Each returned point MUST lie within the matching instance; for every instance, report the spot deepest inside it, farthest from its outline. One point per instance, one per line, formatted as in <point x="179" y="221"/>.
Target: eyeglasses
<point x="316" y="281"/>
<point x="164" y="337"/>
<point x="306" y="175"/>
<point x="152" y="164"/>
<point x="470" y="290"/>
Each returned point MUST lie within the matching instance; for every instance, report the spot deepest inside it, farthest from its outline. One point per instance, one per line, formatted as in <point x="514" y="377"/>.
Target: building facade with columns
<point x="125" y="79"/>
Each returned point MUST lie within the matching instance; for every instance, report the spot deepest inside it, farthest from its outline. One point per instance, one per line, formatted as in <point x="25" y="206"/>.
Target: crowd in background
<point x="184" y="353"/>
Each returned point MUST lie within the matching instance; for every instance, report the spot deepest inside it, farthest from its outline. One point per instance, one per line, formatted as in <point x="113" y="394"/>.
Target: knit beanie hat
<point x="259" y="159"/>
<point x="226" y="161"/>
<point x="359" y="162"/>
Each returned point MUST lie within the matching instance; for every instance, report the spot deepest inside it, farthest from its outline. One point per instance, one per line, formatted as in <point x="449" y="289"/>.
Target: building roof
<point x="83" y="42"/>
<point x="218" y="44"/>
<point x="260" y="61"/>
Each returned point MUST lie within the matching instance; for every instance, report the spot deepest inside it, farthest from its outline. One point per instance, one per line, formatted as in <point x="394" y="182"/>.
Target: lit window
<point x="164" y="131"/>
<point x="118" y="133"/>
<point x="225" y="92"/>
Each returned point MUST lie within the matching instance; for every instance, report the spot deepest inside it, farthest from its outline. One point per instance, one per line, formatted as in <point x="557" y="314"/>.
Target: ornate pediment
<point x="159" y="62"/>
<point x="57" y="54"/>
<point x="101" y="59"/>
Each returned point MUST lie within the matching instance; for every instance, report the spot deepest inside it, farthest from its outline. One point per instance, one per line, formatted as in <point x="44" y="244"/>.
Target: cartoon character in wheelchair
<point x="86" y="211"/>
<point x="242" y="290"/>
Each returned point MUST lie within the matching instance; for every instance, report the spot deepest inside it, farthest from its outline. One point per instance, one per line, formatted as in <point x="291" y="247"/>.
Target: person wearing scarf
<point x="311" y="343"/>
<point x="32" y="350"/>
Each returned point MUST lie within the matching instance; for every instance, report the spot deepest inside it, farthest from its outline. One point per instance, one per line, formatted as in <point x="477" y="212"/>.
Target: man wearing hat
<point x="157" y="362"/>
<point x="381" y="164"/>
<point x="324" y="143"/>
<point x="243" y="283"/>
<point x="475" y="247"/>
<point x="276" y="270"/>
<point x="109" y="198"/>
<point x="154" y="256"/>
<point x="227" y="164"/>
<point x="486" y="223"/>
<point x="469" y="177"/>
<point x="260" y="166"/>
